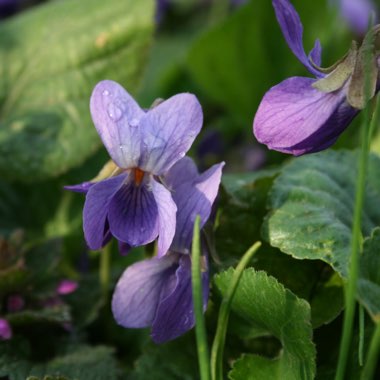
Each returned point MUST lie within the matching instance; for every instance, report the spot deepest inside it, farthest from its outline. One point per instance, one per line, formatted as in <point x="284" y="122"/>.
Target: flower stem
<point x="220" y="335"/>
<point x="104" y="269"/>
<point x="361" y="334"/>
<point x="372" y="356"/>
<point x="200" y="328"/>
<point x="356" y="242"/>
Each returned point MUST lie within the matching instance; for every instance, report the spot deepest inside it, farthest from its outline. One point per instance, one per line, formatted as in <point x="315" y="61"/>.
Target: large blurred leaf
<point x="311" y="207"/>
<point x="239" y="59"/>
<point x="84" y="363"/>
<point x="263" y="302"/>
<point x="50" y="59"/>
<point x="369" y="280"/>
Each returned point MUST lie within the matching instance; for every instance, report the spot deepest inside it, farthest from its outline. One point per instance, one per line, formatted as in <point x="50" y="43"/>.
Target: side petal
<point x="296" y="118"/>
<point x="168" y="131"/>
<point x="80" y="188"/>
<point x="182" y="171"/>
<point x="116" y="116"/>
<point x="175" y="313"/>
<point x="194" y="197"/>
<point x="133" y="214"/>
<point x="138" y="292"/>
<point x="292" y="30"/>
<point x="95" y="210"/>
<point x="316" y="54"/>
<point x="167" y="210"/>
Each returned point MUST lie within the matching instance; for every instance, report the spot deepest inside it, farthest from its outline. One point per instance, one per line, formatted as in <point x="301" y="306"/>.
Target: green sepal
<point x="363" y="82"/>
<point x="341" y="72"/>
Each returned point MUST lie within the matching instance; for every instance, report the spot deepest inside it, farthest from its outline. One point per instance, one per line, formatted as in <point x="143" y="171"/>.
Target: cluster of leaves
<point x="286" y="314"/>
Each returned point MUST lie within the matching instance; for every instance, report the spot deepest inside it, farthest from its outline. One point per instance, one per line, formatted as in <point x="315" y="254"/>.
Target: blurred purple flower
<point x="157" y="292"/>
<point x="357" y="13"/>
<point x="67" y="287"/>
<point x="5" y="329"/>
<point x="15" y="303"/>
<point x="304" y="115"/>
<point x="133" y="205"/>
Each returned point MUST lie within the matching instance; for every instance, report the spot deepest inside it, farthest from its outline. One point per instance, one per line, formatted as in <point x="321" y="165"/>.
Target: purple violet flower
<point x="357" y="13"/>
<point x="5" y="329"/>
<point x="133" y="204"/>
<point x="66" y="287"/>
<point x="304" y="115"/>
<point x="157" y="292"/>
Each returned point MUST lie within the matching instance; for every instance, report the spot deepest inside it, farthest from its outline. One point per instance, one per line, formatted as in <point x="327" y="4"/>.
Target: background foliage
<point x="286" y="317"/>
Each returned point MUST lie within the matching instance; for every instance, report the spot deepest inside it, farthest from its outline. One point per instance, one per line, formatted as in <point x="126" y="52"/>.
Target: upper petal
<point x="95" y="210"/>
<point x="292" y="30"/>
<point x="167" y="210"/>
<point x="116" y="116"/>
<point x="138" y="292"/>
<point x="168" y="131"/>
<point x="133" y="214"/>
<point x="296" y="118"/>
<point x="175" y="313"/>
<point x="192" y="197"/>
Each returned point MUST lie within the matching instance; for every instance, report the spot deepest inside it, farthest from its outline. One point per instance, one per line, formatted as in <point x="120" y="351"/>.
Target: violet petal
<point x="168" y="131"/>
<point x="194" y="197"/>
<point x="138" y="291"/>
<point x="292" y="30"/>
<point x="5" y="329"/>
<point x="95" y="210"/>
<point x="116" y="116"/>
<point x="133" y="214"/>
<point x="175" y="313"/>
<point x="293" y="117"/>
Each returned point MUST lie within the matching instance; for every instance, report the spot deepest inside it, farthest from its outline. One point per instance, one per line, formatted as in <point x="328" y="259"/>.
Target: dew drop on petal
<point x="114" y="112"/>
<point x="106" y="93"/>
<point x="134" y="122"/>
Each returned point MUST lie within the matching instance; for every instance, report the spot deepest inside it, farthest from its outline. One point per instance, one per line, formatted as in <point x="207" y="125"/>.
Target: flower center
<point x="139" y="175"/>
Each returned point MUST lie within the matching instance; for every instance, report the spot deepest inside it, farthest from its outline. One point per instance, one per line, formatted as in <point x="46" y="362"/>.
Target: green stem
<point x="220" y="335"/>
<point x="372" y="356"/>
<point x="361" y="334"/>
<point x="104" y="269"/>
<point x="350" y="288"/>
<point x="200" y="328"/>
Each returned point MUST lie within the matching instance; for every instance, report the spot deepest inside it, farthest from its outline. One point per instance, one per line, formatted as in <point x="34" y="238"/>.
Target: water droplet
<point x="106" y="93"/>
<point x="182" y="154"/>
<point x="142" y="229"/>
<point x="134" y="122"/>
<point x="114" y="112"/>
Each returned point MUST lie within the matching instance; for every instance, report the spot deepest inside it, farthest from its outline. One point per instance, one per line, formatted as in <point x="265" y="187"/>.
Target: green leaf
<point x="369" y="275"/>
<point x="261" y="301"/>
<point x="176" y="360"/>
<point x="84" y="363"/>
<point x="242" y="204"/>
<point x="311" y="207"/>
<point x="239" y="59"/>
<point x="50" y="59"/>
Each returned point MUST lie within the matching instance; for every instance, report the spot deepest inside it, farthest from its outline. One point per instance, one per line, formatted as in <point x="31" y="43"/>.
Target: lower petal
<point x="137" y="293"/>
<point x="296" y="118"/>
<point x="96" y="209"/>
<point x="175" y="314"/>
<point x="133" y="214"/>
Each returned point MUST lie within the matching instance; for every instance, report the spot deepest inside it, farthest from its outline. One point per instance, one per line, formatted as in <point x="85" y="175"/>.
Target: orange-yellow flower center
<point x="139" y="175"/>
